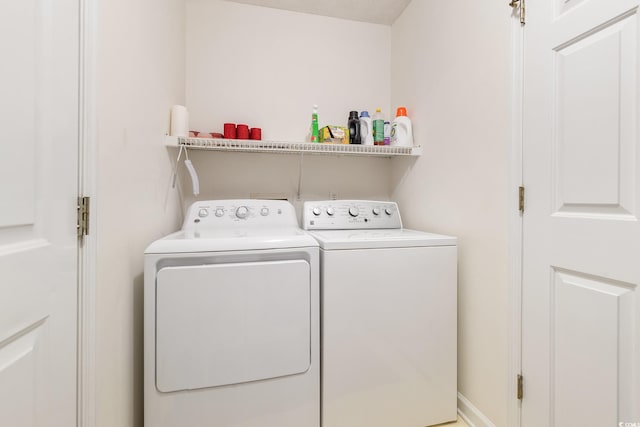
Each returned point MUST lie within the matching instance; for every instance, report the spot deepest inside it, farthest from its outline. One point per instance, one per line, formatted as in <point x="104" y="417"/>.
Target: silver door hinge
<point x="519" y="3"/>
<point x="520" y="387"/>
<point x="83" y="216"/>
<point x="521" y="199"/>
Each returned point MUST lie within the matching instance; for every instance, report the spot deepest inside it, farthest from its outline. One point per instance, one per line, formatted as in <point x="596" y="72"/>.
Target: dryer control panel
<point x="240" y="213"/>
<point x="350" y="215"/>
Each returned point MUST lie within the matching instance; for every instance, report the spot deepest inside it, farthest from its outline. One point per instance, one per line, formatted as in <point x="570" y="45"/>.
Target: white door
<point x="581" y="253"/>
<point x="38" y="190"/>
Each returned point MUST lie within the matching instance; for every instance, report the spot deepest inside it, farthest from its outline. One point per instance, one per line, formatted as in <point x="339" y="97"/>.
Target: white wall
<point x="267" y="67"/>
<point x="141" y="74"/>
<point x="246" y="175"/>
<point x="450" y="66"/>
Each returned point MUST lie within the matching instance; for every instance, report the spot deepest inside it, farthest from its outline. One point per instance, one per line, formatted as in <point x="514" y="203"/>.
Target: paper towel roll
<point x="179" y="121"/>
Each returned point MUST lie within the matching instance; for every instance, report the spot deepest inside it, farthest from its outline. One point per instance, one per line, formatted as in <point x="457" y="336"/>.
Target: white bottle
<point x="401" y="131"/>
<point x="366" y="129"/>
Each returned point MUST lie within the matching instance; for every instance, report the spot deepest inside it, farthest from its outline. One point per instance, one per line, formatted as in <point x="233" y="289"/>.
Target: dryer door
<point x="223" y="324"/>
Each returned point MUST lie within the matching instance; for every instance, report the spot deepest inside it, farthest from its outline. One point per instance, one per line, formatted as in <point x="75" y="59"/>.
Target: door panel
<point x="225" y="324"/>
<point x="590" y="319"/>
<point x="38" y="188"/>
<point x="19" y="34"/>
<point x="581" y="234"/>
<point x="595" y="123"/>
<point x="19" y="356"/>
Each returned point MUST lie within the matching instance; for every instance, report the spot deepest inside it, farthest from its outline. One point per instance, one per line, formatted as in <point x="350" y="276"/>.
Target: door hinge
<point x="520" y="5"/>
<point x="83" y="216"/>
<point x="521" y="199"/>
<point x="520" y="387"/>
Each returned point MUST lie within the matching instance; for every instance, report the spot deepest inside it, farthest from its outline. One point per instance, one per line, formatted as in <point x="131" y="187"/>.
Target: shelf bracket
<point x="300" y="167"/>
<point x="175" y="168"/>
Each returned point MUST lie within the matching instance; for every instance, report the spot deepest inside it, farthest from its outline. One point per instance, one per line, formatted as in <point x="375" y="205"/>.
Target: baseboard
<point x="472" y="415"/>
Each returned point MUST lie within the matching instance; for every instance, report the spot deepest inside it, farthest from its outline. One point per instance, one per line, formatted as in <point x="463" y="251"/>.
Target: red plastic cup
<point x="230" y="130"/>
<point x="256" y="133"/>
<point x="242" y="131"/>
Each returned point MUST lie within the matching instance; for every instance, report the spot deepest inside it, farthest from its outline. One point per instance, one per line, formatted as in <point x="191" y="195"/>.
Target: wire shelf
<point x="252" y="146"/>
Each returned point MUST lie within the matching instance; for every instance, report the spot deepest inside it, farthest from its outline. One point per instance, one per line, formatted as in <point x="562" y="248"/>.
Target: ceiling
<point x="376" y="11"/>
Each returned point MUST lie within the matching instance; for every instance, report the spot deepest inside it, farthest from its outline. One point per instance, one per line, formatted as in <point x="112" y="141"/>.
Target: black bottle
<point x="354" y="128"/>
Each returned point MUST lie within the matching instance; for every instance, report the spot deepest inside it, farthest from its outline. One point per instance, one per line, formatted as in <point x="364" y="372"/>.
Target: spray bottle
<point x="378" y="128"/>
<point x="313" y="130"/>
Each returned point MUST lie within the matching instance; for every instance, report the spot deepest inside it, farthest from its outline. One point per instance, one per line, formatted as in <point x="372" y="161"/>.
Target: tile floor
<point x="458" y="423"/>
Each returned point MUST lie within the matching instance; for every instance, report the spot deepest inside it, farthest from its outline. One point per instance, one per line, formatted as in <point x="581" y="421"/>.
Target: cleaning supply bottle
<point x="378" y="128"/>
<point x="387" y="133"/>
<point x="354" y="128"/>
<point x="313" y="131"/>
<point x="366" y="130"/>
<point x="401" y="131"/>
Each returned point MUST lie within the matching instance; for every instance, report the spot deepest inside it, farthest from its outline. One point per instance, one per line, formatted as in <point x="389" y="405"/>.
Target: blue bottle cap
<point x="364" y="114"/>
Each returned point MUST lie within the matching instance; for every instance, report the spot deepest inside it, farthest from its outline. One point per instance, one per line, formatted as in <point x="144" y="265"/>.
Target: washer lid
<point x="236" y="239"/>
<point x="382" y="238"/>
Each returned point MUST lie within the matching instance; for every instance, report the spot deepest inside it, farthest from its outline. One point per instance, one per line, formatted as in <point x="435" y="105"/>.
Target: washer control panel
<point x="240" y="213"/>
<point x="350" y="215"/>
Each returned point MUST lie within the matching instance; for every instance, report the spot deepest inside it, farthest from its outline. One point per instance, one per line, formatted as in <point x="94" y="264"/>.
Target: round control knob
<point x="242" y="212"/>
<point x="331" y="211"/>
<point x="354" y="211"/>
<point x="316" y="211"/>
<point x="376" y="211"/>
<point x="388" y="211"/>
<point x="264" y="211"/>
<point x="203" y="213"/>
<point x="219" y="212"/>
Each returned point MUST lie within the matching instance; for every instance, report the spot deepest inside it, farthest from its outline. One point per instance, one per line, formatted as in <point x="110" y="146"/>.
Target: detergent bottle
<point x="401" y="131"/>
<point x="366" y="130"/>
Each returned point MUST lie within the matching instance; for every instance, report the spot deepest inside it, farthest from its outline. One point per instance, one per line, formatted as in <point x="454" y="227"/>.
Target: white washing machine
<point x="231" y="320"/>
<point x="389" y="316"/>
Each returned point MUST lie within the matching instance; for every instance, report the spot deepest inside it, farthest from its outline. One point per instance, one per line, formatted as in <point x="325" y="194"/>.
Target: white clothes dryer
<point x="389" y="317"/>
<point x="231" y="320"/>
